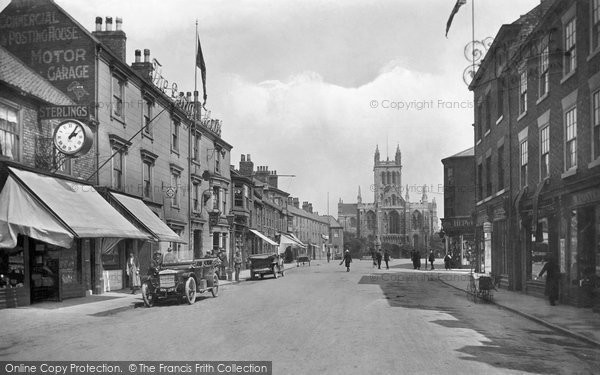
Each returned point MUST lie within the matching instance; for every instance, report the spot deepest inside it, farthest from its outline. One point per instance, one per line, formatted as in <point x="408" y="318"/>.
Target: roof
<point x="22" y="78"/>
<point x="347" y="208"/>
<point x="465" y="153"/>
<point x="333" y="223"/>
<point x="300" y="212"/>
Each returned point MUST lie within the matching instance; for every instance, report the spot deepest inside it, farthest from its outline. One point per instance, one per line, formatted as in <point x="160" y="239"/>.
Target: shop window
<point x="9" y="132"/>
<point x="12" y="266"/>
<point x="540" y="249"/>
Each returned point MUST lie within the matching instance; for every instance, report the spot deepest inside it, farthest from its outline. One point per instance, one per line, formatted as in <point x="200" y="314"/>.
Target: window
<point x="224" y="200"/>
<point x="488" y="175"/>
<point x="175" y="181"/>
<point x="596" y="124"/>
<point x="524" y="160"/>
<point x="9" y="132"/>
<point x="543" y="70"/>
<point x="216" y="196"/>
<point x="238" y="196"/>
<point x="196" y="197"/>
<point x="147" y="179"/>
<point x="176" y="246"/>
<point x="196" y="147"/>
<point x="479" y="181"/>
<point x="595" y="24"/>
<point x="175" y="135"/>
<point x="148" y="105"/>
<point x="523" y="92"/>
<point x="500" y="98"/>
<point x="117" y="168"/>
<point x="450" y="176"/>
<point x="570" y="62"/>
<point x="62" y="162"/>
<point x="217" y="160"/>
<point x="544" y="152"/>
<point x="118" y="86"/>
<point x="571" y="139"/>
<point x="488" y="113"/>
<point x="500" y="167"/>
<point x="479" y="121"/>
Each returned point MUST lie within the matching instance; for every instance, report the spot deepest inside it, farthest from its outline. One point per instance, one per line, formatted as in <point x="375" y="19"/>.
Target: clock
<point x="72" y="137"/>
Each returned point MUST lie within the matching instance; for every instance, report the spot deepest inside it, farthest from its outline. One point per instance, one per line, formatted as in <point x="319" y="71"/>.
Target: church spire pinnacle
<point x="398" y="157"/>
<point x="376" y="153"/>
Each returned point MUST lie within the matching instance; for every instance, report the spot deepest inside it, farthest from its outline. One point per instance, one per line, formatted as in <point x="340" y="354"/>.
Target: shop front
<point x="459" y="235"/>
<point x="52" y="234"/>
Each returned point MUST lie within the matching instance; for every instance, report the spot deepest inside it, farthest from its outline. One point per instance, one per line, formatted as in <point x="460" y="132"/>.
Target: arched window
<point x="371" y="220"/>
<point x="353" y="222"/>
<point x="383" y="178"/>
<point x="417" y="221"/>
<point x="394" y="200"/>
<point x="394" y="178"/>
<point x="394" y="222"/>
<point x="389" y="178"/>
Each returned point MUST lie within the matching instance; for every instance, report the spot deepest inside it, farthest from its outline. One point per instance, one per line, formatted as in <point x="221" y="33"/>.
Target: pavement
<point x="581" y="323"/>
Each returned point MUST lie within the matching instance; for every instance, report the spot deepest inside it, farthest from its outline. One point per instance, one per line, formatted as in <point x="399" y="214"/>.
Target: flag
<point x="200" y="64"/>
<point x="457" y="6"/>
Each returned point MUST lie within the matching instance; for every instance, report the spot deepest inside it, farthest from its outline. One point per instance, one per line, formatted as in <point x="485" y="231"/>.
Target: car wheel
<point x="215" y="287"/>
<point x="190" y="291"/>
<point x="147" y="295"/>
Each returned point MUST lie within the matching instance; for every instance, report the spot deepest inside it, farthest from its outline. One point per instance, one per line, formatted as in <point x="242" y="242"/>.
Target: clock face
<point x="71" y="137"/>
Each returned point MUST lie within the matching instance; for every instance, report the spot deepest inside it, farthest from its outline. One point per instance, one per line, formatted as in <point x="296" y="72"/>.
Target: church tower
<point x="387" y="179"/>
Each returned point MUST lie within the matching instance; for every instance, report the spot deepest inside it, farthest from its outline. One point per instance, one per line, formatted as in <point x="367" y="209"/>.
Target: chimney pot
<point x="108" y="23"/>
<point x="98" y="23"/>
<point x="119" y="23"/>
<point x="243" y="157"/>
<point x="146" y="55"/>
<point x="138" y="55"/>
<point x="248" y="157"/>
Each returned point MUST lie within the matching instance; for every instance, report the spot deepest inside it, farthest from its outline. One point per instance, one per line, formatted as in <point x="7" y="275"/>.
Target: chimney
<point x="262" y="174"/>
<point x="305" y="206"/>
<point x="272" y="180"/>
<point x="145" y="68"/>
<point x="116" y="40"/>
<point x="296" y="202"/>
<point x="246" y="166"/>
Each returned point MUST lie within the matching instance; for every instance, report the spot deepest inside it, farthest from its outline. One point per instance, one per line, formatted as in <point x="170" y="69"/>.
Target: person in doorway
<point x="386" y="259"/>
<point x="133" y="273"/>
<point x="378" y="255"/>
<point x="347" y="259"/>
<point x="552" y="271"/>
<point x="170" y="256"/>
<point x="237" y="265"/>
<point x="431" y="259"/>
<point x="447" y="261"/>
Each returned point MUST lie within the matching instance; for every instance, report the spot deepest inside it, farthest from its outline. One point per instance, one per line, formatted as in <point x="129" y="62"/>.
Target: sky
<point x="309" y="88"/>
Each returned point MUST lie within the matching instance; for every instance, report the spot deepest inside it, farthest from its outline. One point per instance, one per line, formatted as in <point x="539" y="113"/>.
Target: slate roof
<point x="347" y="208"/>
<point x="16" y="74"/>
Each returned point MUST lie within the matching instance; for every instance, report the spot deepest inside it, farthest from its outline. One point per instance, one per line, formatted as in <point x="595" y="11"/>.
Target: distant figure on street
<point x="374" y="257"/>
<point x="223" y="266"/>
<point x="237" y="265"/>
<point x="328" y="255"/>
<point x="378" y="257"/>
<point x="417" y="260"/>
<point x="133" y="273"/>
<point x="386" y="259"/>
<point x="170" y="256"/>
<point x="155" y="263"/>
<point x="552" y="279"/>
<point x="447" y="261"/>
<point x="431" y="259"/>
<point x="347" y="259"/>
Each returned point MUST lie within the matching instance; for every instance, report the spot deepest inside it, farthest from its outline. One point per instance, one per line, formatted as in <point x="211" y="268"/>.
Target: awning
<point x="54" y="210"/>
<point x="290" y="239"/>
<point x="265" y="238"/>
<point x="146" y="218"/>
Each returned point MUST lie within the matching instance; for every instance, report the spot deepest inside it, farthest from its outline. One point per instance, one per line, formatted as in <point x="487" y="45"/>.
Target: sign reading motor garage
<point x="46" y="39"/>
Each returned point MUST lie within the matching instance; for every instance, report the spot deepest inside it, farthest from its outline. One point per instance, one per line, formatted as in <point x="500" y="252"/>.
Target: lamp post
<point x="231" y="222"/>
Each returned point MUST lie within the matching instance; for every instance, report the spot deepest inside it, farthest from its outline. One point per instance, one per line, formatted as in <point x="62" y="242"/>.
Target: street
<point x="317" y="319"/>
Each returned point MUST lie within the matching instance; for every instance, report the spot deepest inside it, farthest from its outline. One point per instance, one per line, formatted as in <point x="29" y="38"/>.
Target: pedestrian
<point x="418" y="259"/>
<point x="552" y="279"/>
<point x="237" y="265"/>
<point x="378" y="256"/>
<point x="133" y="273"/>
<point x="223" y="265"/>
<point x="374" y="257"/>
<point x="155" y="263"/>
<point x="386" y="259"/>
<point x="347" y="259"/>
<point x="431" y="259"/>
<point x="447" y="260"/>
<point x="328" y="255"/>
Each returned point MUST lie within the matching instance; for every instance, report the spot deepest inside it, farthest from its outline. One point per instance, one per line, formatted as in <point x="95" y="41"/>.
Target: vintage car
<point x="181" y="281"/>
<point x="261" y="264"/>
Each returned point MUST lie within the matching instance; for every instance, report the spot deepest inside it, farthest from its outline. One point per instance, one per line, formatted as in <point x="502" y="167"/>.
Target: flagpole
<point x="473" y="35"/>
<point x="195" y="57"/>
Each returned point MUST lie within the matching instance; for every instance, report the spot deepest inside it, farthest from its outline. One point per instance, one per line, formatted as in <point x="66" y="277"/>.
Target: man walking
<point x="237" y="265"/>
<point x="386" y="259"/>
<point x="378" y="255"/>
<point x="431" y="259"/>
<point x="347" y="259"/>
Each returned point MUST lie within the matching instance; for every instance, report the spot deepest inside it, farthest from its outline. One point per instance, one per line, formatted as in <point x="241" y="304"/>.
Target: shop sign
<point x="113" y="280"/>
<point x="79" y="112"/>
<point x="457" y="223"/>
<point x="586" y="197"/>
<point x="48" y="41"/>
<point x="499" y="214"/>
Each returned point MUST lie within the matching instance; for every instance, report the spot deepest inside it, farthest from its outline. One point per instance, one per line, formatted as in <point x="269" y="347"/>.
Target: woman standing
<point x="133" y="273"/>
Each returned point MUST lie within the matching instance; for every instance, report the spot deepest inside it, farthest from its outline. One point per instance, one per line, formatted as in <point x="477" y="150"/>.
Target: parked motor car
<point x="265" y="264"/>
<point x="181" y="281"/>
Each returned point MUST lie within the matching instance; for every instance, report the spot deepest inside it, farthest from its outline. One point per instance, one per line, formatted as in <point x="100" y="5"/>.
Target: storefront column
<point x="487" y="237"/>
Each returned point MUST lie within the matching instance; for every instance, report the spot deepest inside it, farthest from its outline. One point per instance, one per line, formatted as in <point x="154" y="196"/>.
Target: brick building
<point x="537" y="149"/>
<point x="459" y="205"/>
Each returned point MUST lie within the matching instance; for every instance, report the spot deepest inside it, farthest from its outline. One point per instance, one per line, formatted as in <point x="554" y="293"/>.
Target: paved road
<point x="317" y="319"/>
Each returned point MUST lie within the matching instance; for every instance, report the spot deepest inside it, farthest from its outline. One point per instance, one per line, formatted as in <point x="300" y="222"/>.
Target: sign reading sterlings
<point x="47" y="40"/>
